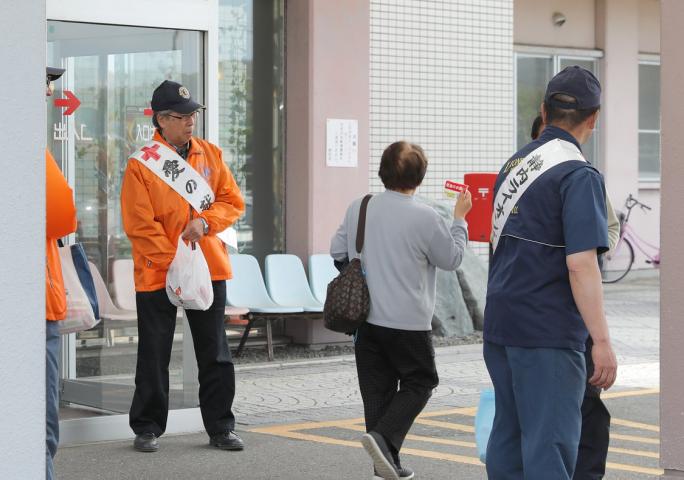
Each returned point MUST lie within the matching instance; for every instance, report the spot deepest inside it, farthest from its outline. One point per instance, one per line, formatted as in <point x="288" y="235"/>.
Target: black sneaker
<point x="380" y="453"/>
<point x="146" y="442"/>
<point x="227" y="441"/>
<point x="404" y="473"/>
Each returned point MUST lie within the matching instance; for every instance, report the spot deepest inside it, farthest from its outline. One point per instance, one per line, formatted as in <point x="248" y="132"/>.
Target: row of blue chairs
<point x="283" y="290"/>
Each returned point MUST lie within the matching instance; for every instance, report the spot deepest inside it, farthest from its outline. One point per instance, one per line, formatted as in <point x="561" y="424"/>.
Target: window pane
<point x="251" y="97"/>
<point x="590" y="149"/>
<point x="532" y="76"/>
<point x="649" y="156"/>
<point x="588" y="64"/>
<point x="649" y="97"/>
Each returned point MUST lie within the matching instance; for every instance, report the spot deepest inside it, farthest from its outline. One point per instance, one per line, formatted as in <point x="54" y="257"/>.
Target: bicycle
<point x="617" y="263"/>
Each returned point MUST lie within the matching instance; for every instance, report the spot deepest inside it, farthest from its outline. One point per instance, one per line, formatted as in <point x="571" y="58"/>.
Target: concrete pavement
<point x="302" y="419"/>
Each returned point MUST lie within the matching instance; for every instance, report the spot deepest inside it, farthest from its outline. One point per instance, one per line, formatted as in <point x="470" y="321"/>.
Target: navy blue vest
<point x="529" y="299"/>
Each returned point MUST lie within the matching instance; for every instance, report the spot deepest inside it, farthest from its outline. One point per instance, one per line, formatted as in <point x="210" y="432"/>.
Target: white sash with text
<point x="176" y="173"/>
<point x="522" y="174"/>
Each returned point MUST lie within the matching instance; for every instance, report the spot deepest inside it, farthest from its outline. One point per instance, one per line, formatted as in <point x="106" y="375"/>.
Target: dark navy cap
<point x="173" y="96"/>
<point x="578" y="83"/>
<point x="53" y="73"/>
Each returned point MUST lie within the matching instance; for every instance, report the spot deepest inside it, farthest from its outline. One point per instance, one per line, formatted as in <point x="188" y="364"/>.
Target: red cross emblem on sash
<point x="151" y="152"/>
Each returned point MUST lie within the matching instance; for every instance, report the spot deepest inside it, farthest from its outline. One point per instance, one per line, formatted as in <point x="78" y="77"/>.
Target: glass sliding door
<point x="112" y="71"/>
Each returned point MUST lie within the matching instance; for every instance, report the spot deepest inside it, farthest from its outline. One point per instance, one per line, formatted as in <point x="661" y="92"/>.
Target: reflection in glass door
<point x="112" y="71"/>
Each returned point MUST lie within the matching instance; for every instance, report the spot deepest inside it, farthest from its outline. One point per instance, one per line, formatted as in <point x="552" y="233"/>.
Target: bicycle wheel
<point x="617" y="263"/>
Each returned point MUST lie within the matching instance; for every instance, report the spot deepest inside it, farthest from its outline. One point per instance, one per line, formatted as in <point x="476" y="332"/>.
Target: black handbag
<point x="348" y="302"/>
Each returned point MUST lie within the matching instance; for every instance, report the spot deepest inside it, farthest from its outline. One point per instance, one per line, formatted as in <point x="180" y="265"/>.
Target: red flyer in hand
<point x="451" y="189"/>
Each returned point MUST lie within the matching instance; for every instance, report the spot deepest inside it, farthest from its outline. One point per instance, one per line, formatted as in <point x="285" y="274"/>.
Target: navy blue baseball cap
<point x="578" y="83"/>
<point x="173" y="96"/>
<point x="53" y="73"/>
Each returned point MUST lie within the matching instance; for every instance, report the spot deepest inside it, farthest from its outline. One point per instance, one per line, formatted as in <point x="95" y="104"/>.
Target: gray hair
<point x="155" y="122"/>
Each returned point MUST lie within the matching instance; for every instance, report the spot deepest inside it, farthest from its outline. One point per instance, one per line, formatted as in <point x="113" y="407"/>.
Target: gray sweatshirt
<point x="405" y="242"/>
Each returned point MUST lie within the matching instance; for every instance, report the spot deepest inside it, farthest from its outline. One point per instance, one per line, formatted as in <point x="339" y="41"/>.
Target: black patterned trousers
<point x="397" y="375"/>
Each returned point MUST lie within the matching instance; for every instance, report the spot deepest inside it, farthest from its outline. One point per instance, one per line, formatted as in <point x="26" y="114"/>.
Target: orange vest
<point x="60" y="221"/>
<point x="154" y="215"/>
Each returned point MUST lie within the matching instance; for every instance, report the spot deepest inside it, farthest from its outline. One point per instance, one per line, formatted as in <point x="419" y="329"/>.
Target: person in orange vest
<point x="154" y="216"/>
<point x="60" y="221"/>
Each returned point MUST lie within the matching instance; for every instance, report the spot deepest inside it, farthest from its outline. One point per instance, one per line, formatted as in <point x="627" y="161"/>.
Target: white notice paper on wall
<point x="342" y="145"/>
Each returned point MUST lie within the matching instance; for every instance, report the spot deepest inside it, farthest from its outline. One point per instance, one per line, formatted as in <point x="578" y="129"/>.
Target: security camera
<point x="558" y="19"/>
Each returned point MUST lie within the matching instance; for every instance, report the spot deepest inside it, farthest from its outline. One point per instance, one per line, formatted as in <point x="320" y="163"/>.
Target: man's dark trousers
<point x="397" y="374"/>
<point x="156" y="325"/>
<point x="593" y="447"/>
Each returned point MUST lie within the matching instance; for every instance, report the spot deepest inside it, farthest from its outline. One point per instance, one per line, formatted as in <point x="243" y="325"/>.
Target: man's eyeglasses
<point x="184" y="118"/>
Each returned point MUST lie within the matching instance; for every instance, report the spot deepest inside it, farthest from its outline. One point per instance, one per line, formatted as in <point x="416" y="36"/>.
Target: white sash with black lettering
<point x="176" y="173"/>
<point x="523" y="174"/>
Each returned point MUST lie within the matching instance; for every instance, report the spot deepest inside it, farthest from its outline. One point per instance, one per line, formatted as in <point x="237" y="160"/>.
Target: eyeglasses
<point x="184" y="118"/>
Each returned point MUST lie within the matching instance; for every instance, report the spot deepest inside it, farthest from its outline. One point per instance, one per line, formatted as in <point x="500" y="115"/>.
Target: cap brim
<point x="187" y="107"/>
<point x="53" y="73"/>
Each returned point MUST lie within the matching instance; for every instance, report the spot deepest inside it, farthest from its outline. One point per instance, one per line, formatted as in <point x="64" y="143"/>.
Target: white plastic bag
<point x="188" y="281"/>
<point x="82" y="312"/>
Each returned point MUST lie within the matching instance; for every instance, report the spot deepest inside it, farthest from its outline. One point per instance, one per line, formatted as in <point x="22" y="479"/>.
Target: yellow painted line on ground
<point x="449" y="425"/>
<point x="634" y="468"/>
<point x="293" y="431"/>
<point x="421" y="438"/>
<point x="450" y="457"/>
<point x="309" y="425"/>
<point x="283" y="432"/>
<point x="634" y="438"/>
<point x="639" y="425"/>
<point x="467" y="411"/>
<point x="630" y="393"/>
<point x="460" y="443"/>
<point x="636" y="453"/>
<point x="286" y="432"/>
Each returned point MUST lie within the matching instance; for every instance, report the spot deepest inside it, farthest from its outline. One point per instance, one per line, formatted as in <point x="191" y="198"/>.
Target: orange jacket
<point x="154" y="215"/>
<point x="60" y="215"/>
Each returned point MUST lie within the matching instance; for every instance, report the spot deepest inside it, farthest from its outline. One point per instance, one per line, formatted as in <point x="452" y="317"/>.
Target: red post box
<point x="481" y="187"/>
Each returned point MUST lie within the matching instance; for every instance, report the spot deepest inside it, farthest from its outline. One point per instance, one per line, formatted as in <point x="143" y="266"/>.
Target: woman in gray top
<point x="405" y="241"/>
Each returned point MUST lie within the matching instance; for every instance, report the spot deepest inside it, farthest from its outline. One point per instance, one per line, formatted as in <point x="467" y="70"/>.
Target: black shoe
<point x="404" y="473"/>
<point x="146" y="442"/>
<point x="227" y="441"/>
<point x="377" y="448"/>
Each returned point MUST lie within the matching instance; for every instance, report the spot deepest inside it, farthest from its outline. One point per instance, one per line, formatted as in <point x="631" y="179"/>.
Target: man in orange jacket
<point x="60" y="221"/>
<point x="154" y="216"/>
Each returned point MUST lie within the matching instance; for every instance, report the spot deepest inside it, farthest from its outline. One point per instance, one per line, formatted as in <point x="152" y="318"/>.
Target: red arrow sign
<point x="71" y="102"/>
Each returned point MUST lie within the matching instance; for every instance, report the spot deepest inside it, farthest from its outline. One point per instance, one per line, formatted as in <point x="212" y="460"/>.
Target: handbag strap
<point x="361" y="229"/>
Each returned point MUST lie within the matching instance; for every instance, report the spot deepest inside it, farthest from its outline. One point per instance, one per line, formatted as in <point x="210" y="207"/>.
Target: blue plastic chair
<point x="247" y="289"/>
<point x="287" y="284"/>
<point x="321" y="272"/>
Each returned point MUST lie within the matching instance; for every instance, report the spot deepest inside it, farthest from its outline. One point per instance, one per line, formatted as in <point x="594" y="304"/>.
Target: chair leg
<point x="269" y="339"/>
<point x="245" y="334"/>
